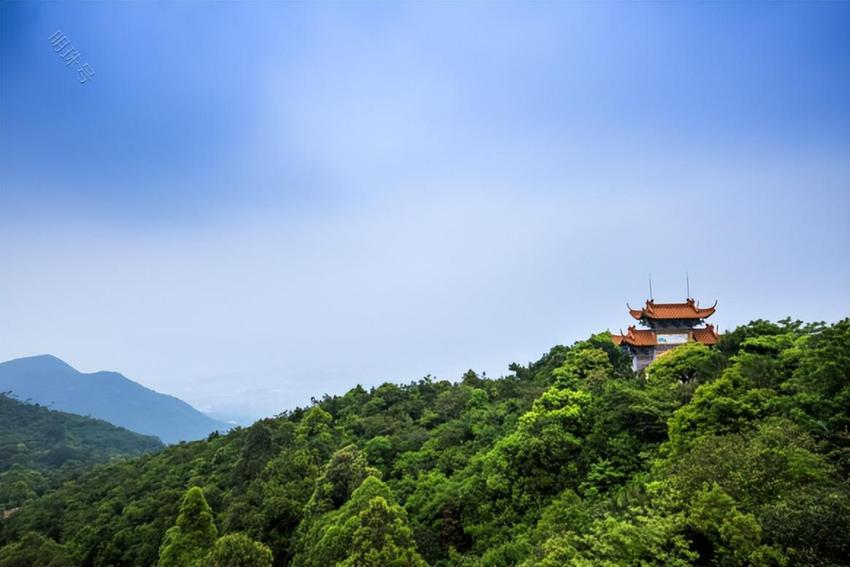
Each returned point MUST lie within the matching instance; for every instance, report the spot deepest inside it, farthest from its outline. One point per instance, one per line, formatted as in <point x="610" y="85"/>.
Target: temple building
<point x="669" y="325"/>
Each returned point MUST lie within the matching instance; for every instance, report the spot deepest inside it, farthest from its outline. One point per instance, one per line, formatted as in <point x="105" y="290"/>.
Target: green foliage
<point x="584" y="366"/>
<point x="327" y="538"/>
<point x="635" y="537"/>
<point x="684" y="368"/>
<point x="382" y="538"/>
<point x="238" y="550"/>
<point x="34" y="550"/>
<point x="715" y="516"/>
<point x="737" y="455"/>
<point x="731" y="342"/>
<point x="191" y="537"/>
<point x="540" y="457"/>
<point x="41" y="448"/>
<point x="345" y="471"/>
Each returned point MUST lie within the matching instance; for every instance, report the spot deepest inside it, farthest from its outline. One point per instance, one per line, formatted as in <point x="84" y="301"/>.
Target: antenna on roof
<point x="688" y="284"/>
<point x="650" y="286"/>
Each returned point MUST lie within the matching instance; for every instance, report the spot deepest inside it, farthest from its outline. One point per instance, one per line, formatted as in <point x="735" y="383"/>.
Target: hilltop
<point x="732" y="455"/>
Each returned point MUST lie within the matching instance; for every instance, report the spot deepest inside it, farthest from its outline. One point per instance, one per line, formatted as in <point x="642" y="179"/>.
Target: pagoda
<point x="668" y="325"/>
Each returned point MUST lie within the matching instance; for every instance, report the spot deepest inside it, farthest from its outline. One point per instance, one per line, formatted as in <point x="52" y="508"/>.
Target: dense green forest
<point x="40" y="448"/>
<point x="737" y="455"/>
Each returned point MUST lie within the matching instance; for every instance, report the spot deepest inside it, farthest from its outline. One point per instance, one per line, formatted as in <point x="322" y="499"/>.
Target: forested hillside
<point x="738" y="455"/>
<point x="110" y="396"/>
<point x="40" y="448"/>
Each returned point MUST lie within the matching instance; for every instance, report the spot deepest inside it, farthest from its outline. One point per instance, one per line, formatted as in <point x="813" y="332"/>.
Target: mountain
<point x="40" y="448"/>
<point x="732" y="455"/>
<point x="49" y="381"/>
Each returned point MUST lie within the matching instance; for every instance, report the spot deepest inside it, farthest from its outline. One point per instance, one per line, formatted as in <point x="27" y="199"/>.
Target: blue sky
<point x="253" y="203"/>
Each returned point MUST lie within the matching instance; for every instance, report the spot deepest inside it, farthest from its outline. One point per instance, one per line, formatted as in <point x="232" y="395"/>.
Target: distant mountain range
<point x="109" y="396"/>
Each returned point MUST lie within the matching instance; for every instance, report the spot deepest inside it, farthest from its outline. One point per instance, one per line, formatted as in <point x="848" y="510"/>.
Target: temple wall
<point x="642" y="358"/>
<point x="672" y="325"/>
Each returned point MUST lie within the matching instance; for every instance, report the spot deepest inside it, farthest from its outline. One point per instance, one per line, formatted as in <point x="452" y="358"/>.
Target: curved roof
<point x="707" y="336"/>
<point x="645" y="337"/>
<point x="687" y="310"/>
<point x="636" y="337"/>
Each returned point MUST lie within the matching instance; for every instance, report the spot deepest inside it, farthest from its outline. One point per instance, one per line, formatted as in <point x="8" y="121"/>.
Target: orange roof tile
<point x="636" y="337"/>
<point x="687" y="310"/>
<point x="707" y="336"/>
<point x="645" y="337"/>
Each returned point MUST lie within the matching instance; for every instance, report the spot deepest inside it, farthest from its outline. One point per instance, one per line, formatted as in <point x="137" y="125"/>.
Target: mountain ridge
<point x="48" y="380"/>
<point x="730" y="455"/>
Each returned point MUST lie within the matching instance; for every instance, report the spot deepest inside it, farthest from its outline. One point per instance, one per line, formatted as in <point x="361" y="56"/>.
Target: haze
<point x="252" y="204"/>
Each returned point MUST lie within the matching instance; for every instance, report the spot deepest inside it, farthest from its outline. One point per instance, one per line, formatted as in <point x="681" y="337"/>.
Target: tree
<point x="730" y="342"/>
<point x="314" y="432"/>
<point x="335" y="535"/>
<point x="684" y="368"/>
<point x="34" y="550"/>
<point x="194" y="533"/>
<point x="345" y="471"/>
<point x="383" y="538"/>
<point x="585" y="366"/>
<point x="540" y="456"/>
<point x="238" y="550"/>
<point x="734" y="535"/>
<point x="256" y="451"/>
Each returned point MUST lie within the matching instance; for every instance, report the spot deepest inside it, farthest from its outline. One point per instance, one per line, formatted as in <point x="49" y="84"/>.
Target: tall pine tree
<point x="383" y="538"/>
<point x="192" y="536"/>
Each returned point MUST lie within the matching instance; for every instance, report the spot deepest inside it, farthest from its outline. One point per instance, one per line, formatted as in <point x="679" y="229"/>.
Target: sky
<point x="249" y="204"/>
